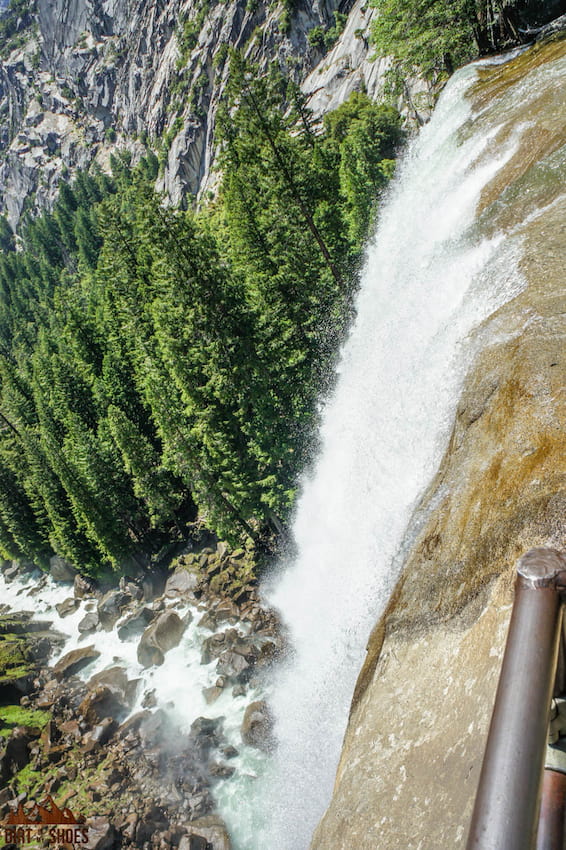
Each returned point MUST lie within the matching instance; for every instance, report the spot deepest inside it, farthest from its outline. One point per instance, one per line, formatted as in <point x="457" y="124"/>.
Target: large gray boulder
<point x="181" y="583"/>
<point x="257" y="726"/>
<point x="161" y="636"/>
<point x="60" y="569"/>
<point x="111" y="606"/>
<point x="207" y="833"/>
<point x="74" y="661"/>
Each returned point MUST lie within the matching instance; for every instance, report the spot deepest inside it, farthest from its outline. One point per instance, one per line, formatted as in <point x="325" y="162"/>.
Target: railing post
<point x="506" y="810"/>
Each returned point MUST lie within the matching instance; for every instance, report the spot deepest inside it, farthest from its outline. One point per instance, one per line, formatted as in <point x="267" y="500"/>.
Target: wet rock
<point x="102" y="835"/>
<point x="162" y="635"/>
<point x="206" y="735"/>
<point x="12" y="571"/>
<point x="68" y="606"/>
<point x="117" y="680"/>
<point x="111" y="606"/>
<point x="181" y="583"/>
<point x="83" y="587"/>
<point x="227" y="611"/>
<point x="237" y="654"/>
<point x="213" y="647"/>
<point x="60" y="569"/>
<point x="135" y="623"/>
<point x="89" y="623"/>
<point x="257" y="726"/>
<point x="149" y="699"/>
<point x="20" y="623"/>
<point x="212" y="829"/>
<point x="102" y="702"/>
<point x="15" y="755"/>
<point x="151" y="585"/>
<point x="208" y="621"/>
<point x="75" y="661"/>
<point x="235" y="665"/>
<point x="220" y="770"/>
<point x="133" y="724"/>
<point x="154" y="820"/>
<point x="211" y="694"/>
<point x="128" y="826"/>
<point x="200" y="803"/>
<point x="99" y="735"/>
<point x="193" y="842"/>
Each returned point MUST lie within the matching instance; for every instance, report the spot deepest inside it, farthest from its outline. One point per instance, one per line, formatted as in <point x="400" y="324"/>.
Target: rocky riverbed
<point x="131" y="705"/>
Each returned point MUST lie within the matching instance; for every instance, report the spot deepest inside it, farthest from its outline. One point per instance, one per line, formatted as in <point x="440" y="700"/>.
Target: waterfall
<point x="430" y="278"/>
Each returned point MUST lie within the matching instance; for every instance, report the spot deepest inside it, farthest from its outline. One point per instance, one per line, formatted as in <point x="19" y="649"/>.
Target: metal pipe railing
<point x="550" y="833"/>
<point x="506" y="811"/>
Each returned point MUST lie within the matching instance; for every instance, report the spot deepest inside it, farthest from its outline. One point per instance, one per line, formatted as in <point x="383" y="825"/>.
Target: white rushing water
<point x="429" y="280"/>
<point x="177" y="684"/>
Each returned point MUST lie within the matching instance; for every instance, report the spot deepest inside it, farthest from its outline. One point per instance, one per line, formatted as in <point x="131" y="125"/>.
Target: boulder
<point x="154" y="728"/>
<point x="237" y="654"/>
<point x="75" y="661"/>
<point x="101" y="702"/>
<point x="68" y="606"/>
<point x="17" y="670"/>
<point x="60" y="569"/>
<point x="83" y="586"/>
<point x="89" y="623"/>
<point x="111" y="606"/>
<point x="193" y="842"/>
<point x="15" y="755"/>
<point x="210" y="828"/>
<point x="211" y="694"/>
<point x="117" y="680"/>
<point x="102" y="834"/>
<point x="133" y="724"/>
<point x="214" y="646"/>
<point x="234" y="665"/>
<point x="99" y="735"/>
<point x="226" y="610"/>
<point x="257" y="726"/>
<point x="13" y="571"/>
<point x="162" y="635"/>
<point x="135" y="623"/>
<point x="181" y="583"/>
<point x="206" y="734"/>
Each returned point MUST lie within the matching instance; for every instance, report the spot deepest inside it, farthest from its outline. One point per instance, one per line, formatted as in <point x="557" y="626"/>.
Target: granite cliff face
<point x="412" y="753"/>
<point x="95" y="77"/>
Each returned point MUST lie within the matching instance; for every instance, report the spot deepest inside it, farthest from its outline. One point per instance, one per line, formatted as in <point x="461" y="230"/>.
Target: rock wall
<point x="413" y="748"/>
<point x="99" y="76"/>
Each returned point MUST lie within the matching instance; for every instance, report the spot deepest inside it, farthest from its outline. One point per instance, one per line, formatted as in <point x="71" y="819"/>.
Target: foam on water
<point x="178" y="683"/>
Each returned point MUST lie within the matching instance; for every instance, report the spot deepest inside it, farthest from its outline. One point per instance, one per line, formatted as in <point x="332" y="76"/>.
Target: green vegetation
<point x="14" y="715"/>
<point x="14" y="657"/>
<point x="14" y="25"/>
<point x="324" y="39"/>
<point x="188" y="33"/>
<point x="156" y="363"/>
<point x="435" y="36"/>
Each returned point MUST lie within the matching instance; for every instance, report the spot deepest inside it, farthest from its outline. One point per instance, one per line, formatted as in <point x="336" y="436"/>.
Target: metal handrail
<point x="508" y="814"/>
